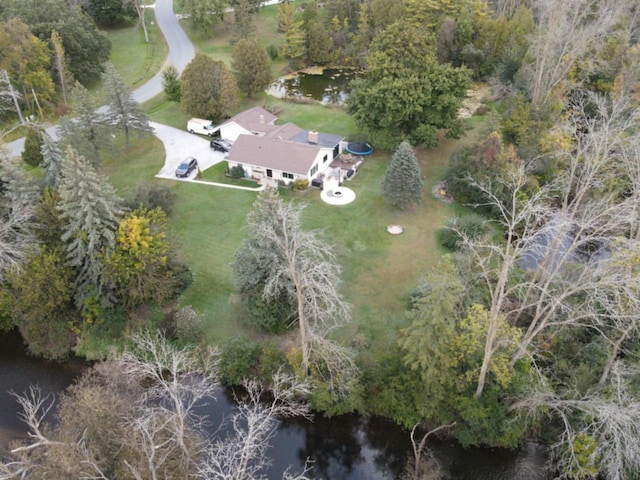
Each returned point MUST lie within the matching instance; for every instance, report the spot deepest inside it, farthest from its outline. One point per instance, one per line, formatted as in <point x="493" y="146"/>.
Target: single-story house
<point x="284" y="152"/>
<point x="255" y="121"/>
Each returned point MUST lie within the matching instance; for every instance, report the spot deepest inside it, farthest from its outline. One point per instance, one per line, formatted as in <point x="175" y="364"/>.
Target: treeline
<point x="45" y="46"/>
<point x="76" y="259"/>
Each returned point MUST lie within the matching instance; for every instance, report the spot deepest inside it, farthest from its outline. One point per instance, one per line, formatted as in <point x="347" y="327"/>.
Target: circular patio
<point x="338" y="196"/>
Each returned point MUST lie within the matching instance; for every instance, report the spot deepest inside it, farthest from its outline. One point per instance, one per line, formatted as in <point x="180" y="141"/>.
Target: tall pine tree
<point x="52" y="159"/>
<point x="89" y="132"/>
<point x="402" y="184"/>
<point x="124" y="111"/>
<point x="91" y="210"/>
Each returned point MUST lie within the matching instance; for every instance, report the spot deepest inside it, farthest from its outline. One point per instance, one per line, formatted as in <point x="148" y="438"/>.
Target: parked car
<point x="219" y="146"/>
<point x="186" y="167"/>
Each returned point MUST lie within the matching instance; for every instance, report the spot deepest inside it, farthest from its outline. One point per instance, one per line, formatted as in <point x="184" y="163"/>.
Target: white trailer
<point x="202" y="126"/>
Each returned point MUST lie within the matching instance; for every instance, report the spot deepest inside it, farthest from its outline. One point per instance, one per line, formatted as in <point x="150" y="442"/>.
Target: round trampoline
<point x="359" y="148"/>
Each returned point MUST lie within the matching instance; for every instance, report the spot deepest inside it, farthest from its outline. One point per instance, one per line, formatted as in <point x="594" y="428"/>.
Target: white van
<point x="201" y="126"/>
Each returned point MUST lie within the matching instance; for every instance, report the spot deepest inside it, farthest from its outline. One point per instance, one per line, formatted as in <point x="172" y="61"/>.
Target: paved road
<point x="181" y="52"/>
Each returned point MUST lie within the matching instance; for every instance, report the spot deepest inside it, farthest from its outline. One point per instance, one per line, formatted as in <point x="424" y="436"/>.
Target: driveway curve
<point x="181" y="52"/>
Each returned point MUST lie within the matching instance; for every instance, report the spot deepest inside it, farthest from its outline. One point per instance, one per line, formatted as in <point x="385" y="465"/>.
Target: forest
<point x="524" y="325"/>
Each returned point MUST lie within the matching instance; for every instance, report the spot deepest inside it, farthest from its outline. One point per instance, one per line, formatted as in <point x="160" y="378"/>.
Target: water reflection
<point x="327" y="86"/>
<point x="347" y="447"/>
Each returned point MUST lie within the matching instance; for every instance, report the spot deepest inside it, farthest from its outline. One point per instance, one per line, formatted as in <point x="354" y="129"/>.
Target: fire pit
<point x="395" y="229"/>
<point x="338" y="196"/>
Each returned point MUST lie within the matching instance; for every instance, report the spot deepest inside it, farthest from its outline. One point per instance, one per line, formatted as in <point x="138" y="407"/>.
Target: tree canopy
<point x="406" y="93"/>
<point x="251" y="66"/>
<point x="208" y="89"/>
<point x="86" y="47"/>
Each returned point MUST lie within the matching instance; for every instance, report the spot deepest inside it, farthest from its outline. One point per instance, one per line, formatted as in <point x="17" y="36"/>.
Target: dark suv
<point x="219" y="146"/>
<point x="186" y="167"/>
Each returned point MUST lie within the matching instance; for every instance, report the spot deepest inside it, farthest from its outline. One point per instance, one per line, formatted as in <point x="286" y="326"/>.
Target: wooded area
<point x="528" y="324"/>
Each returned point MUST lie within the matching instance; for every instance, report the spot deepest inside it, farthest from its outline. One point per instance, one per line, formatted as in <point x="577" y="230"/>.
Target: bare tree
<point x="139" y="5"/>
<point x="553" y="233"/>
<point x="242" y="454"/>
<point x="601" y="431"/>
<point x="135" y="417"/>
<point x="568" y="31"/>
<point x="303" y="265"/>
<point x="17" y="208"/>
<point x="424" y="466"/>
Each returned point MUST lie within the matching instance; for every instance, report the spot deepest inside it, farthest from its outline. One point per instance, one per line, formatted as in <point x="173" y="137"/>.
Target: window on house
<point x="269" y="172"/>
<point x="326" y="157"/>
<point x="314" y="170"/>
<point x="287" y="175"/>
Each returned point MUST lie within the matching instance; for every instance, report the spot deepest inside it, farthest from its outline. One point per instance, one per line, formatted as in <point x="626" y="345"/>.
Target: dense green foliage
<point x="32" y="153"/>
<point x="251" y="66"/>
<point x="171" y="83"/>
<point x="406" y="93"/>
<point x="86" y="47"/>
<point x="41" y="304"/>
<point x="208" y="89"/>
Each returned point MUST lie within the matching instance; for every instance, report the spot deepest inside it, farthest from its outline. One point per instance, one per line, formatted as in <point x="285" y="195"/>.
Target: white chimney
<point x="313" y="137"/>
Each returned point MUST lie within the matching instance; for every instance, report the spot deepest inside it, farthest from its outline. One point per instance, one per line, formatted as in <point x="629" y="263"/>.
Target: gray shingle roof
<point x="273" y="153"/>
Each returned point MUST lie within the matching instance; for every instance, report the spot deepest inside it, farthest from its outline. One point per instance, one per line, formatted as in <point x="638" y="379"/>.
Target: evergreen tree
<point x="32" y="144"/>
<point x="171" y="83"/>
<point x="285" y="15"/>
<point x="89" y="132"/>
<point x="402" y="184"/>
<point x="320" y="49"/>
<point x="251" y="66"/>
<point x="52" y="159"/>
<point x="294" y="42"/>
<point x="243" y="13"/>
<point x="124" y="111"/>
<point x="91" y="210"/>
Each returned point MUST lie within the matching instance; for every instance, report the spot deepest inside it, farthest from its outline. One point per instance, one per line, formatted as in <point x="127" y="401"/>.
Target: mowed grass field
<point x="378" y="270"/>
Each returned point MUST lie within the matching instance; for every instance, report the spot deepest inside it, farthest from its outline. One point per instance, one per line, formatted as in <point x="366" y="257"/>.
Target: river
<point x="349" y="447"/>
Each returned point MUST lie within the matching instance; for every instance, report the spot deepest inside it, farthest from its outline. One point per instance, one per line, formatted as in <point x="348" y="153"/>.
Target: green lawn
<point x="378" y="270"/>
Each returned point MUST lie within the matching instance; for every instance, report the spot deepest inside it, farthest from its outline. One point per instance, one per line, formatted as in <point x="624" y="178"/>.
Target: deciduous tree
<point x="86" y="47"/>
<point x="27" y="60"/>
<point x="205" y="14"/>
<point x="139" y="265"/>
<point x="402" y="185"/>
<point x="123" y="111"/>
<point x="405" y="92"/>
<point x="208" y="89"/>
<point x="251" y="66"/>
<point x="41" y="304"/>
<point x="568" y="32"/>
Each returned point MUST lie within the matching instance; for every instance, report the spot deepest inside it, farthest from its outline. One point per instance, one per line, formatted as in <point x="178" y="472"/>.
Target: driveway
<point x="180" y="144"/>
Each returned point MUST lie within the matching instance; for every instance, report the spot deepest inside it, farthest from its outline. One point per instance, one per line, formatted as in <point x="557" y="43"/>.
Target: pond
<point x="325" y="85"/>
<point x="349" y="447"/>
